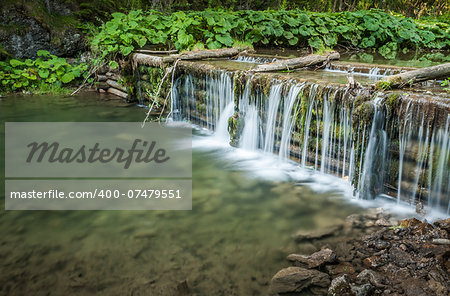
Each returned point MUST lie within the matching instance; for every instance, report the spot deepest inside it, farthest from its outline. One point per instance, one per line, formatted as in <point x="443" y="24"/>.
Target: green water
<point x="233" y="241"/>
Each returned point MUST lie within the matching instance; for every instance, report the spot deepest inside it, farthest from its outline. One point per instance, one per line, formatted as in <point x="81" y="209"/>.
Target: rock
<point x="363" y="290"/>
<point x="383" y="222"/>
<point x="443" y="224"/>
<point x="369" y="276"/>
<point x="315" y="260"/>
<point x="423" y="229"/>
<point x="373" y="262"/>
<point x="441" y="241"/>
<point x="409" y="222"/>
<point x="400" y="257"/>
<point x="340" y="286"/>
<point x="302" y="235"/>
<point x="23" y="33"/>
<point x="296" y="279"/>
<point x="340" y="269"/>
<point x="419" y="209"/>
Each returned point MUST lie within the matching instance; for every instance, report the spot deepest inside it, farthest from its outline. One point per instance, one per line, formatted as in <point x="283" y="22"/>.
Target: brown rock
<point x="315" y="260"/>
<point x="296" y="279"/>
<point x="340" y="269"/>
<point x="409" y="222"/>
<point x="373" y="262"/>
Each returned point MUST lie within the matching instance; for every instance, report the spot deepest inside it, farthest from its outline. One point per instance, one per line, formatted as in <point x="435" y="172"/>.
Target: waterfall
<point x="373" y="168"/>
<point x="402" y="152"/>
<point x="288" y="120"/>
<point x="272" y="112"/>
<point x="249" y="140"/>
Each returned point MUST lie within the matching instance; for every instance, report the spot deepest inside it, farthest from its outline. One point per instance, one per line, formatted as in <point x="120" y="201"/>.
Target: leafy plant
<point x="446" y="82"/>
<point x="212" y="29"/>
<point x="30" y="74"/>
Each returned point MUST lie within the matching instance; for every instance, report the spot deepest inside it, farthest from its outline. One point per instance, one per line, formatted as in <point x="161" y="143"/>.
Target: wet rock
<point x="383" y="222"/>
<point x="315" y="260"/>
<point x="302" y="235"/>
<point x="297" y="279"/>
<point x="23" y="33"/>
<point x="443" y="224"/>
<point x="409" y="222"/>
<point x="419" y="209"/>
<point x="340" y="286"/>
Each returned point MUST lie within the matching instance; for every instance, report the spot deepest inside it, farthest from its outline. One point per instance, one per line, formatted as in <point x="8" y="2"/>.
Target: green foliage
<point x="446" y="82"/>
<point x="48" y="71"/>
<point x="294" y="28"/>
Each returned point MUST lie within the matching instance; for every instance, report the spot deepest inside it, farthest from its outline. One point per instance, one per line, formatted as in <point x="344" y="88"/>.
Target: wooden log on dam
<point x="160" y="61"/>
<point x="296" y="63"/>
<point x="411" y="77"/>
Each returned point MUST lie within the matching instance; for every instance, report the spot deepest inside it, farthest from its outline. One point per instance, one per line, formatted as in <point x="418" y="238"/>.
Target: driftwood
<point x="156" y="51"/>
<point x="116" y="85"/>
<point x="160" y="61"/>
<point x="117" y="92"/>
<point x="419" y="75"/>
<point x="295" y="63"/>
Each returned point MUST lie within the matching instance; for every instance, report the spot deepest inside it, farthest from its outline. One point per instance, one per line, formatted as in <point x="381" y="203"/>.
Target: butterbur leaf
<point x="315" y="42"/>
<point x="293" y="41"/>
<point x="43" y="53"/>
<point x="113" y="64"/>
<point x="68" y="77"/>
<point x="16" y="63"/>
<point x="43" y="73"/>
<point x="126" y="50"/>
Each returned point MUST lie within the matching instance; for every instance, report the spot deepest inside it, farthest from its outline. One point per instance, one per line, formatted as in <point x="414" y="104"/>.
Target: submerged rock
<point x="297" y="279"/>
<point x="303" y="235"/>
<point x="315" y="260"/>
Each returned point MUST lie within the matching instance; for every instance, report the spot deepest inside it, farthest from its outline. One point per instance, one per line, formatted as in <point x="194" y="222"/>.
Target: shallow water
<point x="233" y="241"/>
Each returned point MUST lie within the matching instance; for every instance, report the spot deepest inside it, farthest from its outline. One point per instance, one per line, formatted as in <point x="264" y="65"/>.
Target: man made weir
<point x="391" y="144"/>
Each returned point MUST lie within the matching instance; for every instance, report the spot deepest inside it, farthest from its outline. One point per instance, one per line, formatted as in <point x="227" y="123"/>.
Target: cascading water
<point x="405" y="156"/>
<point x="272" y="112"/>
<point x="288" y="120"/>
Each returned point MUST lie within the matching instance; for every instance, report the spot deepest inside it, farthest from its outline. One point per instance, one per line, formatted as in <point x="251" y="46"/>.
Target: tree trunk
<point x="158" y="61"/>
<point x="116" y="85"/>
<point x="117" y="92"/>
<point x="156" y="51"/>
<point x="296" y="63"/>
<point x="411" y="77"/>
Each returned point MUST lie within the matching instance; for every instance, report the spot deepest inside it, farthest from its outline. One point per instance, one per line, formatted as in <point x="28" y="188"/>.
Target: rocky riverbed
<point x="406" y="257"/>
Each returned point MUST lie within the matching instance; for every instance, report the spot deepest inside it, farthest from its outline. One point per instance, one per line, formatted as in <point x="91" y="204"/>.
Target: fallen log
<point x="116" y="85"/>
<point x="156" y="51"/>
<point x="411" y="77"/>
<point x="160" y="61"/>
<point x="117" y="92"/>
<point x="296" y="63"/>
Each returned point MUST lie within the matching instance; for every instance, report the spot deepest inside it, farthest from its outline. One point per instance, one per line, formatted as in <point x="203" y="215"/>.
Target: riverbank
<point x="409" y="258"/>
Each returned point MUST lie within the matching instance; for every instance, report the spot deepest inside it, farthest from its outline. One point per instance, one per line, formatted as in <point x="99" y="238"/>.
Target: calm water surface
<point x="232" y="242"/>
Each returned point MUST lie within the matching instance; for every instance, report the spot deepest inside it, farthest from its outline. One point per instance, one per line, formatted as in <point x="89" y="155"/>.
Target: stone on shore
<point x="297" y="279"/>
<point x="315" y="260"/>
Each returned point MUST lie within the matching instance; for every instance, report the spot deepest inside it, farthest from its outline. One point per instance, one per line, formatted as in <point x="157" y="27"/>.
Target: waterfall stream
<point x="405" y="157"/>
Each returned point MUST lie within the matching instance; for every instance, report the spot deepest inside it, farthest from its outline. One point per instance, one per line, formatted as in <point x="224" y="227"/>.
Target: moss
<point x="392" y="102"/>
